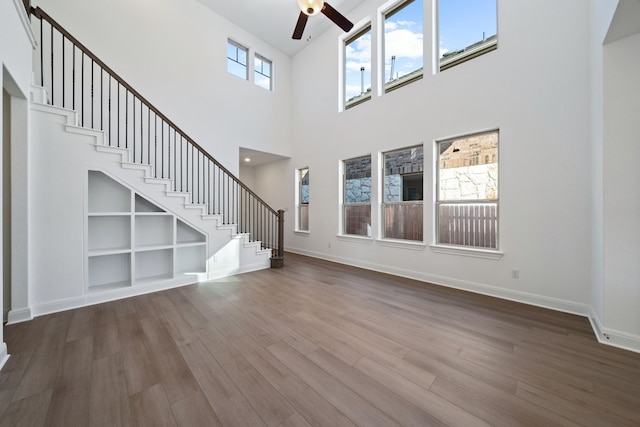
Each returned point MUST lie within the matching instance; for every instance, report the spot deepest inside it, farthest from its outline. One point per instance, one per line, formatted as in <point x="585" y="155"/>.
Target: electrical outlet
<point x="515" y="274"/>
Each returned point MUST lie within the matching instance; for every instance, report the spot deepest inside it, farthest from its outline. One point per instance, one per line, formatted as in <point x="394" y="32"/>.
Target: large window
<point x="467" y="191"/>
<point x="402" y="207"/>
<point x="356" y="213"/>
<point x="237" y="59"/>
<point x="403" y="41"/>
<point x="467" y="29"/>
<point x="262" y="72"/>
<point x="302" y="223"/>
<point x="357" y="68"/>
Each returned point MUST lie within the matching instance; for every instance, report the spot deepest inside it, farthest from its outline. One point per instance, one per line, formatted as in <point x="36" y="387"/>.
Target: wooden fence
<point x="357" y="219"/>
<point x="468" y="224"/>
<point x="403" y="221"/>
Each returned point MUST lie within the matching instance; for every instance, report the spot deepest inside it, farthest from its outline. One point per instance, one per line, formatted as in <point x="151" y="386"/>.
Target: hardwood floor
<point x="315" y="344"/>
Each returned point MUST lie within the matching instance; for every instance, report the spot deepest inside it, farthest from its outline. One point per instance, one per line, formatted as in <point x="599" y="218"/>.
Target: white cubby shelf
<point x="132" y="241"/>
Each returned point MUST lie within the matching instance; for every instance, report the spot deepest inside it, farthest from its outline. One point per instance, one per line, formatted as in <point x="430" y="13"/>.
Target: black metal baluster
<point x="41" y="56"/>
<point x="101" y="99"/>
<point x="73" y="79"/>
<point x="82" y="89"/>
<point x="155" y="146"/>
<point x="162" y="149"/>
<point x="92" y="102"/>
<point x="133" y="130"/>
<point x="63" y="74"/>
<point x="118" y="116"/>
<point x="52" y="82"/>
<point x="109" y="112"/>
<point x="141" y="132"/>
<point x="126" y="118"/>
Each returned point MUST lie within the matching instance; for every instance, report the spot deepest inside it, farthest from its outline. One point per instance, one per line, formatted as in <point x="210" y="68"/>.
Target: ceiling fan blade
<point x="302" y="21"/>
<point x="337" y="17"/>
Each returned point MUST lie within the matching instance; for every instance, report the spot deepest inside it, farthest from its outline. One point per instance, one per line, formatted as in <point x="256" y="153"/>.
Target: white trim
<point x="353" y="238"/>
<point x="24" y="19"/>
<point x="302" y="232"/>
<point x="612" y="337"/>
<point x="402" y="244"/>
<point x="464" y="251"/>
<point x="4" y="355"/>
<point x="19" y="315"/>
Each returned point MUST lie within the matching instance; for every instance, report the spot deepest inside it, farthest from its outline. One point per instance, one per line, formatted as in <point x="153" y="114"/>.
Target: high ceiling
<point x="274" y="20"/>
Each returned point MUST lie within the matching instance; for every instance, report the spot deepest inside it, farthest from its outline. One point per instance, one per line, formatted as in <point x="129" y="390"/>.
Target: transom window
<point x="262" y="72"/>
<point x="403" y="44"/>
<point x="357" y="68"/>
<point x="467" y="191"/>
<point x="402" y="207"/>
<point x="467" y="29"/>
<point x="237" y="59"/>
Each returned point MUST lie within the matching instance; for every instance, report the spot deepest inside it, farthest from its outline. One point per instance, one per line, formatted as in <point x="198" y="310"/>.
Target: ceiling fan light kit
<point x="313" y="7"/>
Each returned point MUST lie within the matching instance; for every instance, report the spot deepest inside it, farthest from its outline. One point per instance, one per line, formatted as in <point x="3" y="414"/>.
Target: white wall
<point x="534" y="88"/>
<point x="16" y="43"/>
<point x="174" y="53"/>
<point x="602" y="13"/>
<point x="621" y="196"/>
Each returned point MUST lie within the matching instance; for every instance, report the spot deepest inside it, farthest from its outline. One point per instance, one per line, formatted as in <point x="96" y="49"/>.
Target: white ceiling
<point x="274" y="20"/>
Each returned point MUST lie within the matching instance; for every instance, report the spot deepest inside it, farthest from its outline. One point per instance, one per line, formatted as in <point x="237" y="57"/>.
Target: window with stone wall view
<point x="356" y="207"/>
<point x="303" y="199"/>
<point x="402" y="206"/>
<point x="467" y="191"/>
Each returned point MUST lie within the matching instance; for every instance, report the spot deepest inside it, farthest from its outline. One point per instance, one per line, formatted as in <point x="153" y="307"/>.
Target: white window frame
<point x="298" y="202"/>
<point x="390" y="8"/>
<point x="343" y="204"/>
<point x="345" y="40"/>
<point x="257" y="56"/>
<point x="460" y="249"/>
<point x="238" y="46"/>
<point x="467" y="53"/>
<point x="383" y="198"/>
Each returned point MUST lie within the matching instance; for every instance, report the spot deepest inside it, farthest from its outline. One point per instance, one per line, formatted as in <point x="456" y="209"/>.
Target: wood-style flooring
<point x="314" y="344"/>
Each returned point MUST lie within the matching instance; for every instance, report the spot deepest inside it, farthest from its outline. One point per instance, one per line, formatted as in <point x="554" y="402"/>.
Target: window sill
<point x="470" y="252"/>
<point x="302" y="232"/>
<point x="404" y="244"/>
<point x="354" y="238"/>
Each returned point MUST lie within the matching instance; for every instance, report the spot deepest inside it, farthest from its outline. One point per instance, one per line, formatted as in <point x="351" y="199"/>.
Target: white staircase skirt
<point x="159" y="240"/>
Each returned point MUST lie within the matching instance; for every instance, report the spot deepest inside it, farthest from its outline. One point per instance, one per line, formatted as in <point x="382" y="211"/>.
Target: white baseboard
<point x="613" y="337"/>
<point x="4" y="356"/>
<point x="19" y="315"/>
<point x="603" y="335"/>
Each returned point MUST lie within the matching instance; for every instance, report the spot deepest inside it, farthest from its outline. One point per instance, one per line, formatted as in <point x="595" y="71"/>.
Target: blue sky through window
<point x="463" y="22"/>
<point x="403" y="39"/>
<point x="358" y="56"/>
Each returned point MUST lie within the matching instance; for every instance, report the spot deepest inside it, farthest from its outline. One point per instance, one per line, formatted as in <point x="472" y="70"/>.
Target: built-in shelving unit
<point x="132" y="241"/>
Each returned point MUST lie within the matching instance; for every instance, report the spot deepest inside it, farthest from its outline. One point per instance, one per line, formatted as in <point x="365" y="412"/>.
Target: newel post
<point x="278" y="260"/>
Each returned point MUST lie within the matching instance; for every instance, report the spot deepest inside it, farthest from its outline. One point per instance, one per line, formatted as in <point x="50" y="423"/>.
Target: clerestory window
<point x="237" y="57"/>
<point x="403" y="44"/>
<point x="466" y="30"/>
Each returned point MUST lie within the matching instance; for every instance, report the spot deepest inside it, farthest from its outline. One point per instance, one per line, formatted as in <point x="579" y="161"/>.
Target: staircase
<point x="86" y="120"/>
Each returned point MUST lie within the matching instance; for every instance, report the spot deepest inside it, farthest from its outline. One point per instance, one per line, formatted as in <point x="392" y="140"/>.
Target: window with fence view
<point x="402" y="207"/>
<point x="303" y="199"/>
<point x="467" y="191"/>
<point x="356" y="213"/>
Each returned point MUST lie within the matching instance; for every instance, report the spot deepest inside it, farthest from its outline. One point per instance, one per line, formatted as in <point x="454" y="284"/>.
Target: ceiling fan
<point x="313" y="7"/>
